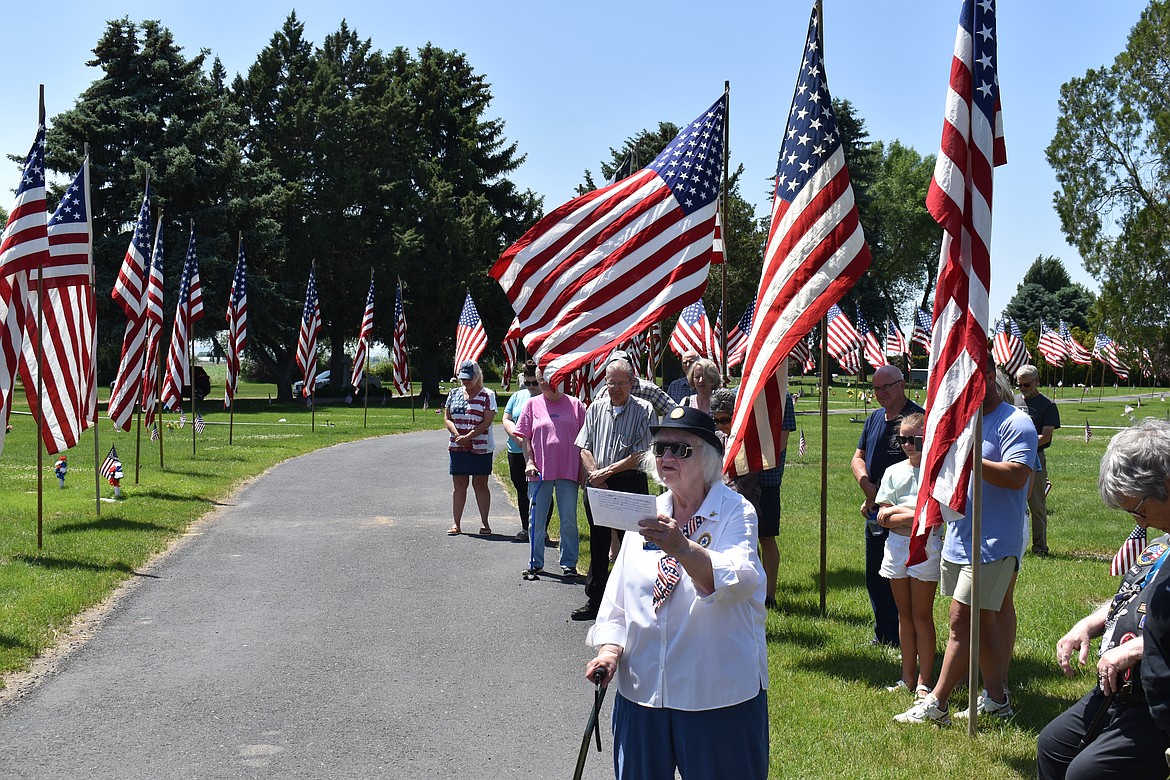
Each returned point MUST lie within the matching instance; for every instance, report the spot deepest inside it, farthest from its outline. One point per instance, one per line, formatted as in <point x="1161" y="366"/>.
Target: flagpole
<point x="142" y="367"/>
<point x="313" y="404"/>
<point x="40" y="367"/>
<point x="158" y="418"/>
<point x="190" y="352"/>
<point x="976" y="557"/>
<point x="366" y="362"/>
<point x="97" y="477"/>
<point x="723" y="266"/>
<point x="138" y="444"/>
<point x="824" y="459"/>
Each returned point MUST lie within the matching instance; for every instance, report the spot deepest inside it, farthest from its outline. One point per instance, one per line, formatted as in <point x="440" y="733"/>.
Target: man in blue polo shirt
<point x="877" y="450"/>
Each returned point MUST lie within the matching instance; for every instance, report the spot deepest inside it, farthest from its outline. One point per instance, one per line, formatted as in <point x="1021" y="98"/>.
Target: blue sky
<point x="573" y="79"/>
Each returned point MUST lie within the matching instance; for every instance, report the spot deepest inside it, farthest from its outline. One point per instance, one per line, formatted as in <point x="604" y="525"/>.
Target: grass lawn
<point x="830" y="713"/>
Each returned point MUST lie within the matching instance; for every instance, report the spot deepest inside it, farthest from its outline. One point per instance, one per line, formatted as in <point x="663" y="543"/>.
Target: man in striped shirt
<point x="615" y="436"/>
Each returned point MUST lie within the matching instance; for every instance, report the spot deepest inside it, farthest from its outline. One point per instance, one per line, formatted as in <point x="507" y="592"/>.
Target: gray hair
<point x="1136" y="463"/>
<point x="1003" y="386"/>
<point x="709" y="369"/>
<point x="709" y="458"/>
<point x="618" y="364"/>
<point x="1027" y="371"/>
<point x="722" y="400"/>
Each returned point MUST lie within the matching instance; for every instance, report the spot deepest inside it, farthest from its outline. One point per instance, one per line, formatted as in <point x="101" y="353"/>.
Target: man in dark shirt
<point x="877" y="450"/>
<point x="1046" y="417"/>
<point x="681" y="387"/>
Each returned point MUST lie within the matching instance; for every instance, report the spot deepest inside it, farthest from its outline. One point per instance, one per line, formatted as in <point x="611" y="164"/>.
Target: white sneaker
<point x="988" y="706"/>
<point x="926" y="710"/>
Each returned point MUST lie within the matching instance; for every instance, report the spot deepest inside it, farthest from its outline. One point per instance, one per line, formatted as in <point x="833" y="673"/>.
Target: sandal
<point x="485" y="531"/>
<point x="453" y="531"/>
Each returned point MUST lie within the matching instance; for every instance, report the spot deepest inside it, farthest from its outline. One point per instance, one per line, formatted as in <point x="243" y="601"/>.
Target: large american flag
<point x="24" y="246"/>
<point x="1106" y="351"/>
<point x="959" y="199"/>
<point x="130" y="294"/>
<point x="363" y="343"/>
<point x="188" y="311"/>
<point x="737" y="339"/>
<point x="1052" y="346"/>
<point x="398" y="351"/>
<point x="1129" y="551"/>
<point x="922" y="330"/>
<point x="307" y="338"/>
<point x="875" y="354"/>
<point x="511" y="347"/>
<point x="816" y="250"/>
<point x="1076" y="353"/>
<point x="470" y="338"/>
<point x="692" y="331"/>
<point x="895" y="341"/>
<point x="1007" y="347"/>
<point x="610" y="263"/>
<point x="154" y="324"/>
<point x="237" y="322"/>
<point x="68" y="325"/>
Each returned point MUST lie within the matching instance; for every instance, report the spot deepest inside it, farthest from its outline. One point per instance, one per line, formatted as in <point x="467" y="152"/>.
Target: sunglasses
<point x="915" y="440"/>
<point x="1025" y="385"/>
<point x="678" y="449"/>
<point x="722" y="421"/>
<point x="531" y="382"/>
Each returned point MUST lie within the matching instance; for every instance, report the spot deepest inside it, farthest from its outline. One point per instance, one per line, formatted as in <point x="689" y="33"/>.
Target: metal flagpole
<point x="723" y="283"/>
<point x="313" y="404"/>
<point x="976" y="575"/>
<point x="92" y="300"/>
<point x="138" y="443"/>
<point x="158" y="418"/>
<point x="142" y="367"/>
<point x="190" y="356"/>
<point x="40" y="368"/>
<point x="824" y="461"/>
<point x="362" y="375"/>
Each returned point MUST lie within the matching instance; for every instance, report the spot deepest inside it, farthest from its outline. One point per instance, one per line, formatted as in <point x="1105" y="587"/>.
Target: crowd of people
<point x="687" y="597"/>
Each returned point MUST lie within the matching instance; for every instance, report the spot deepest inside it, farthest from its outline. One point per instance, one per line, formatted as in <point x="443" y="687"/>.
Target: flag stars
<point x="985" y="33"/>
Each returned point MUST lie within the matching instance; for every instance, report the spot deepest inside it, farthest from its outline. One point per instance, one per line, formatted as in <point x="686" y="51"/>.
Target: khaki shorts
<point x="994" y="580"/>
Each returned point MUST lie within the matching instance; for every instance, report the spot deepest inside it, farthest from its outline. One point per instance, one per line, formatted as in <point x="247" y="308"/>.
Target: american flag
<point x="188" y="311"/>
<point x="800" y="355"/>
<point x="874" y="354"/>
<point x="654" y="348"/>
<point x="715" y="348"/>
<point x="307" y="339"/>
<point x="154" y="434"/>
<point x="23" y="246"/>
<point x="610" y="263"/>
<point x="959" y="199"/>
<point x="737" y="339"/>
<point x="1007" y="348"/>
<point x="111" y="466"/>
<point x="1054" y="349"/>
<point x="895" y="341"/>
<point x="843" y="338"/>
<point x="1106" y="351"/>
<point x="68" y="325"/>
<point x="199" y="424"/>
<point x="1076" y="353"/>
<point x="182" y="418"/>
<point x="816" y="250"/>
<point x="511" y="347"/>
<point x="237" y="322"/>
<point x="1088" y="432"/>
<point x="922" y="330"/>
<point x="363" y="344"/>
<point x="154" y="324"/>
<point x="1129" y="551"/>
<point x="803" y="447"/>
<point x="693" y="331"/>
<point x="470" y="338"/>
<point x="130" y="294"/>
<point x="718" y="256"/>
<point x="398" y="352"/>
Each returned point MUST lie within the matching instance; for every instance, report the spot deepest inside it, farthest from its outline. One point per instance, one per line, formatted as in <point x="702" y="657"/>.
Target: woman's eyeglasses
<point x="904" y="440"/>
<point x="678" y="449"/>
<point x="1137" y="510"/>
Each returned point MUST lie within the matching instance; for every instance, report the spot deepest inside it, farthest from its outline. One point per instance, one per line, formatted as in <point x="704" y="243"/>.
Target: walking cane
<point x="1094" y="729"/>
<point x="592" y="727"/>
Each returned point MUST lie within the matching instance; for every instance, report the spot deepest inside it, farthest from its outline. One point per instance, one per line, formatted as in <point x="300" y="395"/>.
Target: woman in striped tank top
<point x="468" y="415"/>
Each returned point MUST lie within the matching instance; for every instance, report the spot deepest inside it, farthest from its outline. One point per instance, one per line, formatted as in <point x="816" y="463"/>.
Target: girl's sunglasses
<point x="915" y="440"/>
<point x="678" y="449"/>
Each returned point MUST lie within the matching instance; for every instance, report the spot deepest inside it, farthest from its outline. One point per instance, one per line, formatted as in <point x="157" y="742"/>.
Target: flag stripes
<point x="237" y="322"/>
<point x="398" y="352"/>
<point x="307" y="338"/>
<point x="188" y="311"/>
<point x="470" y="338"/>
<point x="129" y="292"/>
<point x="365" y="330"/>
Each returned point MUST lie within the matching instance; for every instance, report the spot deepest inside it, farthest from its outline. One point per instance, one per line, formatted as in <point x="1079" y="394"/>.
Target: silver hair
<point x="1136" y="463"/>
<point x="620" y="365"/>
<point x="722" y="400"/>
<point x="1003" y="386"/>
<point x="709" y="369"/>
<point x="709" y="458"/>
<point x="1027" y="371"/>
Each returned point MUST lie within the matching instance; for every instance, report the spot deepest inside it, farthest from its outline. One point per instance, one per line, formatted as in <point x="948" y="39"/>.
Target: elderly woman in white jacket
<point x="682" y="622"/>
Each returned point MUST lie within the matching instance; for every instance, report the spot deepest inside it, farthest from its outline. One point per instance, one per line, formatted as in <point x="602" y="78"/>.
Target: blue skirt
<point x="467" y="463"/>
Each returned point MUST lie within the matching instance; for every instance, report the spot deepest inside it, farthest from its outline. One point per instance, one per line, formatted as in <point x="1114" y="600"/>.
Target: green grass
<point x="830" y="714"/>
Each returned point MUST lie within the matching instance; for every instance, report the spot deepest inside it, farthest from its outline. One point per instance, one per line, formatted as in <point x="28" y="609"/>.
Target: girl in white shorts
<point x="914" y="587"/>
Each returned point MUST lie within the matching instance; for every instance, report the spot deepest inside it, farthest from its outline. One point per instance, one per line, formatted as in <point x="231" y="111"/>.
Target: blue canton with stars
<point x="469" y="315"/>
<point x="240" y="281"/>
<point x="310" y="299"/>
<point x="985" y="82"/>
<point x="34" y="165"/>
<point x="71" y="209"/>
<point x="812" y="135"/>
<point x="692" y="164"/>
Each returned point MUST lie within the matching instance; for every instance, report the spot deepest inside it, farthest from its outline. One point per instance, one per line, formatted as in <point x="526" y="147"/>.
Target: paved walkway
<point x="325" y="633"/>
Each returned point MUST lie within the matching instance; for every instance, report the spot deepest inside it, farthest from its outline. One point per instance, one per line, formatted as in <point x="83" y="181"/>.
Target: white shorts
<point x="898" y="548"/>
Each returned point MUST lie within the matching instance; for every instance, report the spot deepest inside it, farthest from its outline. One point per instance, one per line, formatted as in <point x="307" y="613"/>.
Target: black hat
<point x="691" y="420"/>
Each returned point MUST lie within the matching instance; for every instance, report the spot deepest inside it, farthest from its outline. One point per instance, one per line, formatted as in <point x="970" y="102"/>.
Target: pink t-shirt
<point x="551" y="429"/>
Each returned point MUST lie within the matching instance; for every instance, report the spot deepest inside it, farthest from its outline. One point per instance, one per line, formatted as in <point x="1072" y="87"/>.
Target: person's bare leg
<point x="922" y="612"/>
<point x="900" y="587"/>
<point x="483" y="498"/>
<point x="770" y="558"/>
<point x="955" y="659"/>
<point x="458" y="499"/>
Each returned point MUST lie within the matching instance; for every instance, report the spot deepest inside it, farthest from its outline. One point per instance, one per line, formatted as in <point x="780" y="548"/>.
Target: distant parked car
<point x="321" y="382"/>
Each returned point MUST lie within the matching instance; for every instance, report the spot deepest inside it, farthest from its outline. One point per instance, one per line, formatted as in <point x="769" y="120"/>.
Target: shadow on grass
<point x="163" y="496"/>
<point x="11" y="643"/>
<point x="109" y="524"/>
<point x="51" y="563"/>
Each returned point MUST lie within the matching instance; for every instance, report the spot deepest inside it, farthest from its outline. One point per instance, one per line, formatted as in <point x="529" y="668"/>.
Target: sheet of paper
<point x="622" y="511"/>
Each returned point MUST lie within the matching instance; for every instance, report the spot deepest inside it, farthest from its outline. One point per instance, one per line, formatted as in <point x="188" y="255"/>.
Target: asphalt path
<point x="322" y="625"/>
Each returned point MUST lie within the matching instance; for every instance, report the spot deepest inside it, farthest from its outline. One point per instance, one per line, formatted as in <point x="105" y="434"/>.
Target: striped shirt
<point x="467" y="414"/>
<point x="611" y="436"/>
<point x="659" y="401"/>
